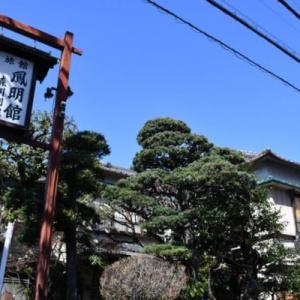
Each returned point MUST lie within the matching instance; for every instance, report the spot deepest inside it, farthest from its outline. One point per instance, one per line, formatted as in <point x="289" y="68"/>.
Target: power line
<point x="296" y="3"/>
<point x="257" y="26"/>
<point x="290" y="8"/>
<point x="282" y="18"/>
<point x="225" y="46"/>
<point x="262" y="35"/>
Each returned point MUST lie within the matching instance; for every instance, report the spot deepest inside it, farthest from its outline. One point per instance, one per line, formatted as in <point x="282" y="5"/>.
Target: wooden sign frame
<point x="65" y="45"/>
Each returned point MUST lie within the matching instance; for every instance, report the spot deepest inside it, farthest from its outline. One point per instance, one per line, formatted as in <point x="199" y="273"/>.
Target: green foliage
<point x="294" y="281"/>
<point x="199" y="289"/>
<point x="233" y="156"/>
<point x="168" y="144"/>
<point x="168" y="251"/>
<point x="25" y="171"/>
<point x="202" y="200"/>
<point x="79" y="185"/>
<point x="23" y="180"/>
<point x="154" y="127"/>
<point x="97" y="261"/>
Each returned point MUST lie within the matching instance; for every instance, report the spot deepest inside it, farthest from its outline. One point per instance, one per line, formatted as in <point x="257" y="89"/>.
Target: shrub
<point x="142" y="277"/>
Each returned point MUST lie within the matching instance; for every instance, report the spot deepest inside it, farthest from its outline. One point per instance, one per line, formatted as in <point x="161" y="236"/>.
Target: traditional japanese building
<point x="282" y="178"/>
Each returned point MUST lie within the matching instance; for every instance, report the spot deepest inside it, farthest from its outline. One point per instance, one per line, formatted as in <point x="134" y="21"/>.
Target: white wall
<point x="283" y="201"/>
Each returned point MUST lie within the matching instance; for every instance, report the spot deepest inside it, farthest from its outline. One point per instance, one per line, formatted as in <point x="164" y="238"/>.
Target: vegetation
<point x="79" y="186"/>
<point x="23" y="194"/>
<point x="142" y="278"/>
<point x="202" y="204"/>
<point x="198" y="201"/>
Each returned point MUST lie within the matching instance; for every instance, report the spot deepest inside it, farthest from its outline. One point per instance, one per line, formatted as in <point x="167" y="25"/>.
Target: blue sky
<point x="140" y="64"/>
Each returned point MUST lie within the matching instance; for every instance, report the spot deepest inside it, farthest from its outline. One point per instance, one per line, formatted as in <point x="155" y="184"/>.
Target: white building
<point x="282" y="178"/>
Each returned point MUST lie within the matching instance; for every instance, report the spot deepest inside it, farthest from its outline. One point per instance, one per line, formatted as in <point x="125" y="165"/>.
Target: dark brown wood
<point x="22" y="137"/>
<point x="53" y="170"/>
<point x="35" y="34"/>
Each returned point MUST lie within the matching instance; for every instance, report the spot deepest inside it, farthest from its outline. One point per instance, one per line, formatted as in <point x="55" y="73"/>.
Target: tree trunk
<point x="72" y="292"/>
<point x="235" y="286"/>
<point x="210" y="291"/>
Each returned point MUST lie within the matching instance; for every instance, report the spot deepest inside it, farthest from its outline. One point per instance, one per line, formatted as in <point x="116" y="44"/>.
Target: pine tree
<point x="201" y="203"/>
<point x="79" y="183"/>
<point x="79" y="186"/>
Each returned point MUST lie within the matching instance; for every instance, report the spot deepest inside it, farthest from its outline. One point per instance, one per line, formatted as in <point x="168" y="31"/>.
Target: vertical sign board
<point x="16" y="90"/>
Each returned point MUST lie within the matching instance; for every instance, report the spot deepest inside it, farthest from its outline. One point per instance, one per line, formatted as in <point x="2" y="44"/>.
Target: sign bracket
<point x="65" y="45"/>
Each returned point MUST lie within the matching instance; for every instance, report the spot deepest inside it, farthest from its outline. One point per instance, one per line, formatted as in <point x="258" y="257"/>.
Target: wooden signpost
<point x="15" y="115"/>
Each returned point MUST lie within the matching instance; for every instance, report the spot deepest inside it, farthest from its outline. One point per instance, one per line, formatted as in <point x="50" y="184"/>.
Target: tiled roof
<point x="271" y="155"/>
<point x="250" y="157"/>
<point x="118" y="170"/>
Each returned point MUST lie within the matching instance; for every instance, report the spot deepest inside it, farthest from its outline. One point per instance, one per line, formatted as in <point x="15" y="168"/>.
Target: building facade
<point x="282" y="178"/>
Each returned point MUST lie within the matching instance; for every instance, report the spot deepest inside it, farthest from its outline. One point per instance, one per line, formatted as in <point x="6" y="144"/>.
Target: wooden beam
<point x="41" y="285"/>
<point x="18" y="136"/>
<point x="35" y="34"/>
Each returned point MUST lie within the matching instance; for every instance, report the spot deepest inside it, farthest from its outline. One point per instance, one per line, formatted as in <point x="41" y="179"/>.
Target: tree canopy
<point x="79" y="184"/>
<point x="200" y="201"/>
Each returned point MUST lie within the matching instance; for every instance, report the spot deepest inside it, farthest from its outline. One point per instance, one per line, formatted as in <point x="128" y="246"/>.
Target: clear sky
<point x="140" y="64"/>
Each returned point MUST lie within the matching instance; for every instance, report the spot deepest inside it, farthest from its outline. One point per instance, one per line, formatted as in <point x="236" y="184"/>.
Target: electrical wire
<point x="282" y="18"/>
<point x="290" y="8"/>
<point x="250" y="27"/>
<point x="225" y="46"/>
<point x="257" y="26"/>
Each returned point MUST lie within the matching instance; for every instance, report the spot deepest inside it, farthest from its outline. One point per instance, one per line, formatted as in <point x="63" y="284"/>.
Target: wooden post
<point x="66" y="46"/>
<point x="53" y="169"/>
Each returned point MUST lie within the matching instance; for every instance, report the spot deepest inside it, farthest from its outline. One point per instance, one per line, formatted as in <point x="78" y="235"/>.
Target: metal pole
<point x="5" y="252"/>
<point x="53" y="170"/>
